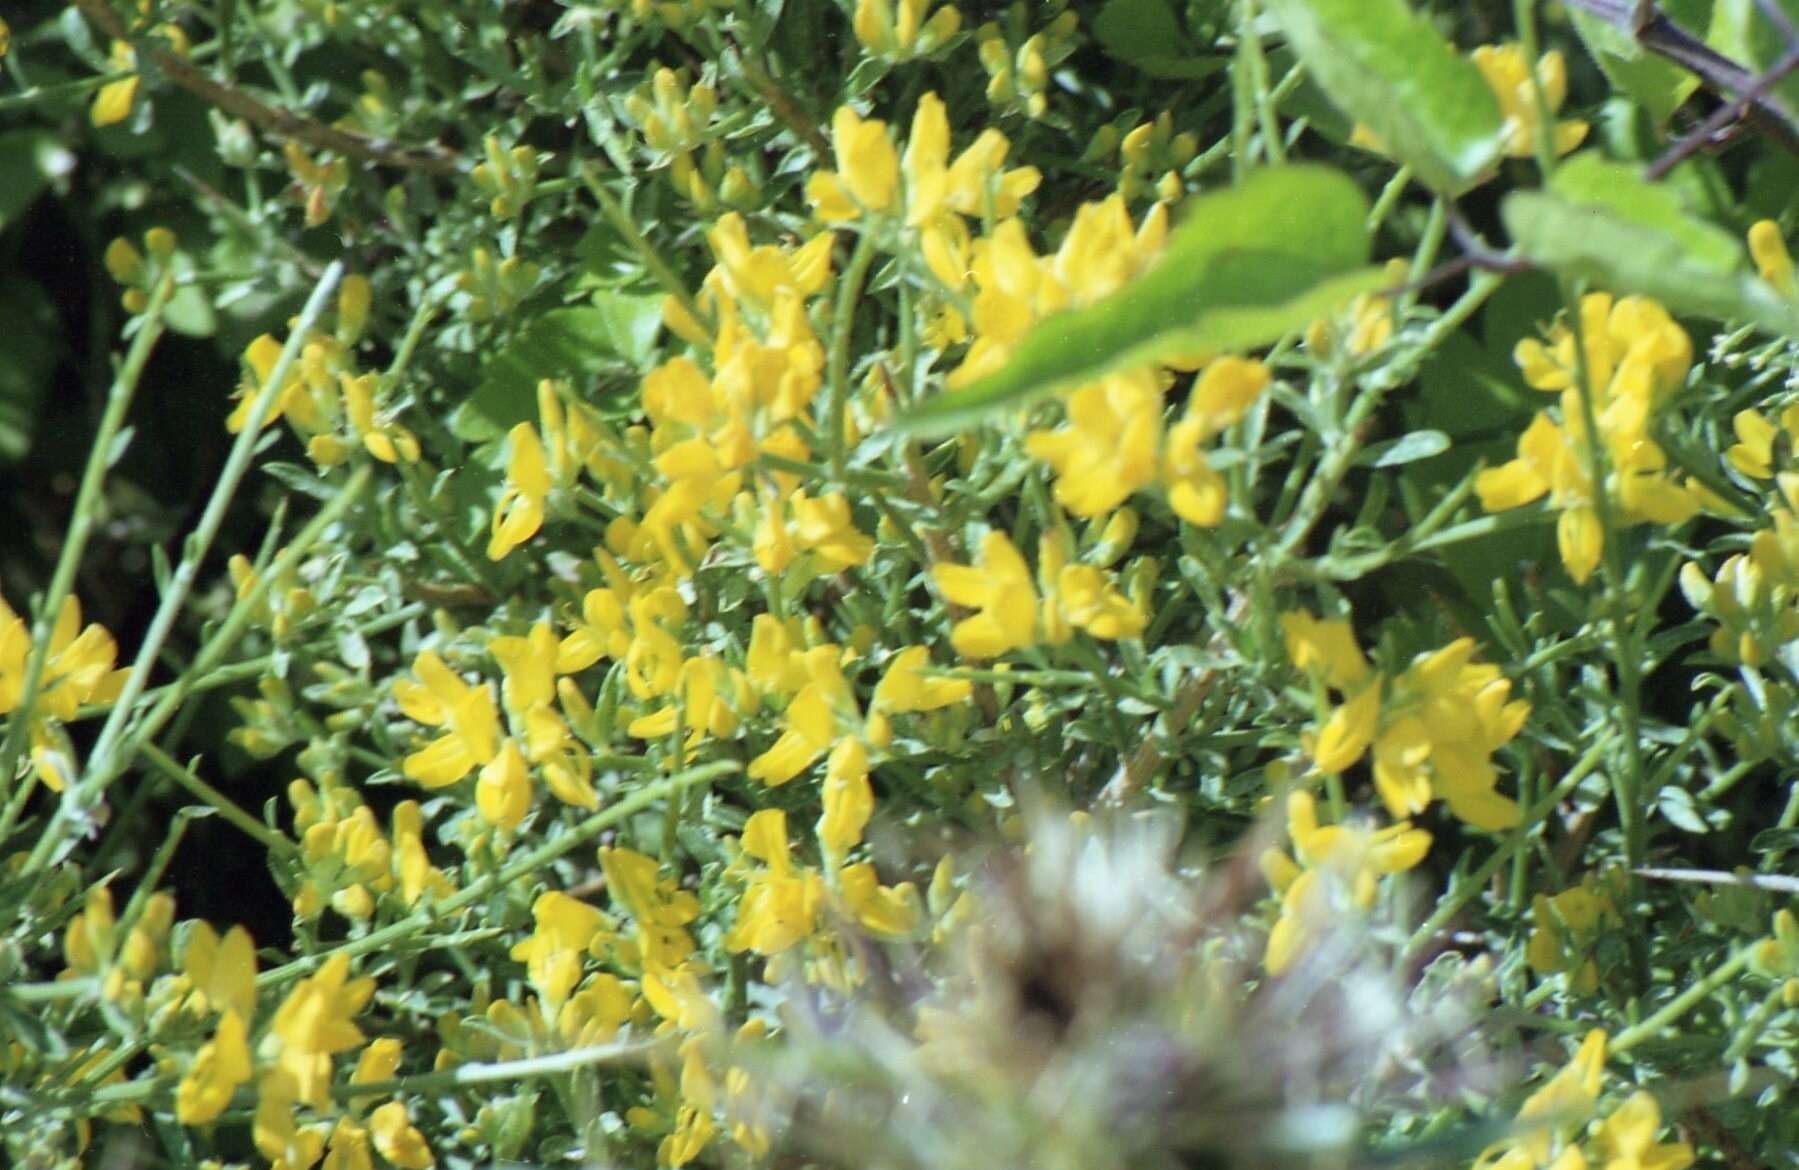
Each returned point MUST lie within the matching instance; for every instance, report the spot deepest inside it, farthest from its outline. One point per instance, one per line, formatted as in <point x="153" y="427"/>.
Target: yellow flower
<point x="442" y="699"/>
<point x="221" y="1065"/>
<point x="1771" y="257"/>
<point x="316" y="1022"/>
<point x="568" y="930"/>
<point x="998" y="587"/>
<point x="657" y="905"/>
<point x="907" y="34"/>
<point x="1635" y="357"/>
<point x="78" y="671"/>
<point x="780" y="904"/>
<point x="1627" y="1138"/>
<point x="1350" y="860"/>
<point x="1326" y="647"/>
<point x="398" y="1140"/>
<point x="386" y="440"/>
<point x="222" y="972"/>
<point x="1502" y="68"/>
<point x="1110" y="443"/>
<point x="904" y="686"/>
<point x="1347" y="732"/>
<point x="891" y="911"/>
<point x="503" y="788"/>
<point x="848" y="800"/>
<point x="822" y="710"/>
<point x="1564" y="929"/>
<point x="1559" y="1109"/>
<point x="519" y="512"/>
<point x="867" y="174"/>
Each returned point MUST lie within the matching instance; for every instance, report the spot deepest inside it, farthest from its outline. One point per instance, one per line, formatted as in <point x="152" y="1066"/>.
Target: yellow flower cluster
<point x="1633" y="356"/>
<point x="1433" y="728"/>
<point x="78" y="671"/>
<point x="1553" y="1117"/>
<point x="1565" y="927"/>
<point x="329" y="405"/>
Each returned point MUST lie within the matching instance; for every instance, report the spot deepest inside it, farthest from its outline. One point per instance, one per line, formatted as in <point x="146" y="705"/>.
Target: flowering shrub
<point x="892" y="584"/>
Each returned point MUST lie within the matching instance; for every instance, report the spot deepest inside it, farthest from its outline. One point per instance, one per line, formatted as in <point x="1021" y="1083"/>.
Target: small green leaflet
<point x="1389" y="69"/>
<point x="1247" y="266"/>
<point x="1601" y="221"/>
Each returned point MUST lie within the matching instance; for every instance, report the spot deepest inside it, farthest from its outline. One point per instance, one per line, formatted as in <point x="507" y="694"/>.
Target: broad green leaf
<point x="562" y="343"/>
<point x="1657" y="84"/>
<point x="1147" y="34"/>
<point x="632" y="321"/>
<point x="1390" y="70"/>
<point x="1600" y="221"/>
<point x="1744" y="34"/>
<point x="1247" y="266"/>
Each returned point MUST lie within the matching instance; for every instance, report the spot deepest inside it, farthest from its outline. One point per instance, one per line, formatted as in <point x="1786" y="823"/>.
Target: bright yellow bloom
<point x="998" y="587"/>
<point x="1771" y="257"/>
<point x="867" y="174"/>
<point x="1350" y="860"/>
<point x="568" y="931"/>
<point x="386" y="440"/>
<point x="1502" y="68"/>
<point x="1636" y="356"/>
<point x="1110" y="444"/>
<point x="398" y="1140"/>
<point x="222" y="972"/>
<point x="824" y="709"/>
<point x="905" y="688"/>
<point x="503" y="788"/>
<point x="848" y="800"/>
<point x="890" y="911"/>
<point x="1554" y="1113"/>
<point x="658" y="907"/>
<point x="465" y="710"/>
<point x="221" y="1065"/>
<point x="780" y="904"/>
<point x="316" y="1022"/>
<point x="79" y="669"/>
<point x="518" y="514"/>
<point x="1326" y="647"/>
<point x="1627" y="1138"/>
<point x="906" y="34"/>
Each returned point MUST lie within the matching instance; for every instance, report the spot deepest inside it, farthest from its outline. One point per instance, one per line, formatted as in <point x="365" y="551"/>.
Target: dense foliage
<point x="889" y="584"/>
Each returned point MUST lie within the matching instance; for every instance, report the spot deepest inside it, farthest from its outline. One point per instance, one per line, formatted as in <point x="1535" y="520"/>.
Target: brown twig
<point x="1655" y="32"/>
<point x="272" y="119"/>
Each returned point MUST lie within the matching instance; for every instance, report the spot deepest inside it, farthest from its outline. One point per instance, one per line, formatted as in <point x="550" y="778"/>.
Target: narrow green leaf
<point x="1600" y="221"/>
<point x="1407" y="449"/>
<point x="1389" y="69"/>
<point x="562" y="343"/>
<point x="1247" y="266"/>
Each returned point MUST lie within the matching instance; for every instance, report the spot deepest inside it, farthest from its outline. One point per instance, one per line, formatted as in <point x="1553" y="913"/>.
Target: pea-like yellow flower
<point x="398" y="1140"/>
<point x="1333" y="867"/>
<point x="1503" y="68"/>
<point x="848" y="800"/>
<point x="465" y="710"/>
<point x="316" y="1022"/>
<point x="904" y="34"/>
<point x="867" y="174"/>
<point x="659" y="909"/>
<point x="823" y="710"/>
<point x="568" y="931"/>
<point x="1564" y="928"/>
<point x="518" y="513"/>
<point x="780" y="903"/>
<point x="220" y="971"/>
<point x="222" y="1064"/>
<point x="998" y="587"/>
<point x="1636" y="356"/>
<point x="1772" y="260"/>
<point x="904" y="687"/>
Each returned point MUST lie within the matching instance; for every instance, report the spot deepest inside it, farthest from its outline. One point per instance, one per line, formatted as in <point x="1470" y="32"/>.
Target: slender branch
<point x="273" y="119"/>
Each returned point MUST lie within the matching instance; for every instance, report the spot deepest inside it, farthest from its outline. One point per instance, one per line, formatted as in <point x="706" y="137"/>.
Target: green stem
<point x="268" y="838"/>
<point x="1452" y="902"/>
<point x="621" y="221"/>
<point x="842" y="322"/>
<point x="1680" y="1004"/>
<point x="81" y="525"/>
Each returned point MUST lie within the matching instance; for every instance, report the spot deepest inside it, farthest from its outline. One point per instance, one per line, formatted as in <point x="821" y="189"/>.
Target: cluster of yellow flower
<point x="77" y="672"/>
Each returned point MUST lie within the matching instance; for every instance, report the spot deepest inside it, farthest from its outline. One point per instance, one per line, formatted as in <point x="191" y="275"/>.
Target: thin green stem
<point x="843" y="322"/>
<point x="1681" y="1004"/>
<point x="81" y="525"/>
<point x="621" y="221"/>
<point x="1452" y="902"/>
<point x="268" y="838"/>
